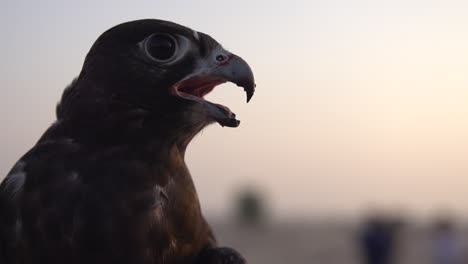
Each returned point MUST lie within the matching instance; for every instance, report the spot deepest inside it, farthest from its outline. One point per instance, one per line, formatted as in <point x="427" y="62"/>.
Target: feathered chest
<point x="113" y="205"/>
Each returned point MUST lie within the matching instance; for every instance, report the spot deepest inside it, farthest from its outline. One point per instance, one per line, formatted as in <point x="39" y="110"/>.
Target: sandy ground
<point x="321" y="242"/>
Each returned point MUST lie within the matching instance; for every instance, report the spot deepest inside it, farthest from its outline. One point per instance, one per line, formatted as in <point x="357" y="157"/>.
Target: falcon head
<point x="167" y="69"/>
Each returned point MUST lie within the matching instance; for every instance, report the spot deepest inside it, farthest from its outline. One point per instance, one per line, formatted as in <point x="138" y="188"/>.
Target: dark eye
<point x="161" y="47"/>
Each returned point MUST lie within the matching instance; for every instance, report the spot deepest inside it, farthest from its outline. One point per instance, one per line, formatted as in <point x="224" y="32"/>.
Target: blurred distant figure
<point x="446" y="246"/>
<point x="377" y="241"/>
<point x="250" y="207"/>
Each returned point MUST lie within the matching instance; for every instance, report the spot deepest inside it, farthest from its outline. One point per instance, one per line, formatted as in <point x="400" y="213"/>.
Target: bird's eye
<point x="161" y="47"/>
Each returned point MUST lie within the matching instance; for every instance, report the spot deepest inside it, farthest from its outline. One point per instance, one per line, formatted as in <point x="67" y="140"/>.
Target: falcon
<point x="107" y="181"/>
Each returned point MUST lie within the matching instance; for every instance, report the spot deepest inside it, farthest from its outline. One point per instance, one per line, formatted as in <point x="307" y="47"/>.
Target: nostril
<point x="220" y="58"/>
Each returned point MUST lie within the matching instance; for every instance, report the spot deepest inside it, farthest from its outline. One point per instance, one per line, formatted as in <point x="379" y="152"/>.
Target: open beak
<point x="198" y="84"/>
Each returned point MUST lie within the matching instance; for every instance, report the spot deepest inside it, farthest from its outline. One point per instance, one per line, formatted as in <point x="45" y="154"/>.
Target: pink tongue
<point x="202" y="91"/>
<point x="199" y="87"/>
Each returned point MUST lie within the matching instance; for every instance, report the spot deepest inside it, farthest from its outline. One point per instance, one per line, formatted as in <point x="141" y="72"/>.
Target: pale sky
<point x="358" y="103"/>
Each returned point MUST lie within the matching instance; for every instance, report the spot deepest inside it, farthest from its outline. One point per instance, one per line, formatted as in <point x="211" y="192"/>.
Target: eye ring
<point x="160" y="47"/>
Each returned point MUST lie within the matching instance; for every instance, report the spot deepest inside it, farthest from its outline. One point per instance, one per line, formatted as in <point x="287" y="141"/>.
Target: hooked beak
<point x="229" y="68"/>
<point x="237" y="71"/>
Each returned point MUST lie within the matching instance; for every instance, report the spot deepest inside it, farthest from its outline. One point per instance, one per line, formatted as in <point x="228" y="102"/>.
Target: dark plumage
<point x="107" y="182"/>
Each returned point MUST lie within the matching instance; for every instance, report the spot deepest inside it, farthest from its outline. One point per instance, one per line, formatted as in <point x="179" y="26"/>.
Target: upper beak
<point x="236" y="70"/>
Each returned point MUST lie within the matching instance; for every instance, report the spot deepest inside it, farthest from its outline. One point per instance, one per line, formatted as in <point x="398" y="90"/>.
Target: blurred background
<point x="354" y="149"/>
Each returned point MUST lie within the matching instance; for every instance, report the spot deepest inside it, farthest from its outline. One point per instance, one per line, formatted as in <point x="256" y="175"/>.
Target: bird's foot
<point x="221" y="255"/>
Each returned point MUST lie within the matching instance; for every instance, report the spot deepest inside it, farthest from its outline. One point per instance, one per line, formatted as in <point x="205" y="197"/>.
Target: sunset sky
<point x="358" y="103"/>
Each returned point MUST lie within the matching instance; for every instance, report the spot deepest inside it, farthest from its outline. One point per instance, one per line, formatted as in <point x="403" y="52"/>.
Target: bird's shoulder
<point x="27" y="185"/>
<point x="39" y="165"/>
<point x="62" y="167"/>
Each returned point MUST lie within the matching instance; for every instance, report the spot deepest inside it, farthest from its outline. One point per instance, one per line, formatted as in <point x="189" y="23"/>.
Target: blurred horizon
<point x="360" y="105"/>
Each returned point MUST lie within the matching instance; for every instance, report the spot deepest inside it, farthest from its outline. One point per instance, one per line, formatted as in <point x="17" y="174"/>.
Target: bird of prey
<point x="107" y="181"/>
